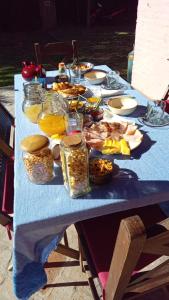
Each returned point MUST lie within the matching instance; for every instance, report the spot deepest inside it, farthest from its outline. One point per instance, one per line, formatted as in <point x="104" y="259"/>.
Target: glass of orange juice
<point x="96" y="97"/>
<point x="52" y="119"/>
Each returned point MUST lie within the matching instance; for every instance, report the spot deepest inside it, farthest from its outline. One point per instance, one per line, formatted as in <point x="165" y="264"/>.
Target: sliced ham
<point x="115" y="135"/>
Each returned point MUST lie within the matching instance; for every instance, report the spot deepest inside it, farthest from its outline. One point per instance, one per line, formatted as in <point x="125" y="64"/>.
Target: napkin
<point x="107" y="93"/>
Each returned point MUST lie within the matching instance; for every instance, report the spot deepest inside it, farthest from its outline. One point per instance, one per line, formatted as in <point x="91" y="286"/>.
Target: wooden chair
<point x="7" y="126"/>
<point x="127" y="253"/>
<point x="6" y="186"/>
<point x="6" y="168"/>
<point x="53" y="53"/>
<point x="7" y="179"/>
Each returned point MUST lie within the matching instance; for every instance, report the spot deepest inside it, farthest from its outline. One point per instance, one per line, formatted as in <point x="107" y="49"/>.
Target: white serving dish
<point x="123" y="105"/>
<point x="95" y="76"/>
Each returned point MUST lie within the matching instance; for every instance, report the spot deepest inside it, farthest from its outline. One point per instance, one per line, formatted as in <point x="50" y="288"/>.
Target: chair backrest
<point x="133" y="243"/>
<point x="53" y="53"/>
<point x="6" y="126"/>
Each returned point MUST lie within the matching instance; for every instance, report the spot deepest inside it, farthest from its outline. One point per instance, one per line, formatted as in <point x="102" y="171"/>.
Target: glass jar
<point x="75" y="165"/>
<point x="38" y="159"/>
<point x="62" y="73"/>
<point x="33" y="97"/>
<point x="52" y="118"/>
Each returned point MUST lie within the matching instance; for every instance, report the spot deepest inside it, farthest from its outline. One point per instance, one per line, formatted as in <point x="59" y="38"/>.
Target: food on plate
<point x="68" y="89"/>
<point x="100" y="170"/>
<point x="111" y="138"/>
<point x="93" y="100"/>
<point x="83" y="66"/>
<point x="75" y="105"/>
<point x="100" y="166"/>
<point x="112" y="146"/>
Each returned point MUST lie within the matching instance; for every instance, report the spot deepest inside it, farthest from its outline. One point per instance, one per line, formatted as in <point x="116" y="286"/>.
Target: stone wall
<point x="151" y="53"/>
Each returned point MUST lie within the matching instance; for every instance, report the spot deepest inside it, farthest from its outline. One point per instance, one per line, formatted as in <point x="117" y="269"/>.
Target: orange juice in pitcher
<point x="52" y="118"/>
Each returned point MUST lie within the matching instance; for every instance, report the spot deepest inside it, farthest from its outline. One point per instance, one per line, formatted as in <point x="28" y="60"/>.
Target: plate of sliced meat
<point x="113" y="137"/>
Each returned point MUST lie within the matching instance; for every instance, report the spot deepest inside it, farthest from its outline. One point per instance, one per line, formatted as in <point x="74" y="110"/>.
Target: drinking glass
<point x="155" y="114"/>
<point x="114" y="81"/>
<point x="96" y="97"/>
<point x="111" y="79"/>
<point x="74" y="122"/>
<point x="76" y="75"/>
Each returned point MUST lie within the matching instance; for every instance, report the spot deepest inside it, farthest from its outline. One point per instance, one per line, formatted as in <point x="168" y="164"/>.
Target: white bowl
<point x="122" y="106"/>
<point x="84" y="66"/>
<point x="95" y="76"/>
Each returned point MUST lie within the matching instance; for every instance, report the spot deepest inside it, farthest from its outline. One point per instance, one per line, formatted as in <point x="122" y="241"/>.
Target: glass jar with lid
<point x="34" y="95"/>
<point x="75" y="165"/>
<point x="38" y="159"/>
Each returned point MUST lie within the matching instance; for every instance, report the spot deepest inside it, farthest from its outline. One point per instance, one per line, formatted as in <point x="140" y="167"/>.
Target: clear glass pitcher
<point x="34" y="95"/>
<point x="52" y="119"/>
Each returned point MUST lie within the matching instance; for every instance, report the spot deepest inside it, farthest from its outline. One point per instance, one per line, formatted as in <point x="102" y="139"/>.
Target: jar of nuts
<point x="38" y="159"/>
<point x="75" y="165"/>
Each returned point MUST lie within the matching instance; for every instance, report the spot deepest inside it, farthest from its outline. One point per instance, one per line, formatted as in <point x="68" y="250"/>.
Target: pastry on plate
<point x="68" y="89"/>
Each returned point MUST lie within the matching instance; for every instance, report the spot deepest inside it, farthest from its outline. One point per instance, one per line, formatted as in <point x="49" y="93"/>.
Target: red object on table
<point x="28" y="70"/>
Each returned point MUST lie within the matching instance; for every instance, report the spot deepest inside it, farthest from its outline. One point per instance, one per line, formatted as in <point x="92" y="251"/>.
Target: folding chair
<point x="125" y="254"/>
<point x="52" y="53"/>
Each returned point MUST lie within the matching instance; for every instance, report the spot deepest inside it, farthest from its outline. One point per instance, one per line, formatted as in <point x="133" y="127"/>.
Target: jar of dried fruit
<point x="75" y="165"/>
<point x="38" y="159"/>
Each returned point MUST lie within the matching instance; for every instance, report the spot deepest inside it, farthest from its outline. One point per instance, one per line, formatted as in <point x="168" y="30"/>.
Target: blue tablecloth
<point x="43" y="212"/>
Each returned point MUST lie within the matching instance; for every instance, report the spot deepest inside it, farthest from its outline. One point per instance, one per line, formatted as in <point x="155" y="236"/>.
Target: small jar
<point x="38" y="159"/>
<point x="75" y="165"/>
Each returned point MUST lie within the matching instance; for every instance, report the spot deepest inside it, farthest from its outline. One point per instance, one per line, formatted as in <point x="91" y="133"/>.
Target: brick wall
<point x="151" y="53"/>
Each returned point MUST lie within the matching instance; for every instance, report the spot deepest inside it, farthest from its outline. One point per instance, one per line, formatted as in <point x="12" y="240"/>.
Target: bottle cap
<point x="34" y="143"/>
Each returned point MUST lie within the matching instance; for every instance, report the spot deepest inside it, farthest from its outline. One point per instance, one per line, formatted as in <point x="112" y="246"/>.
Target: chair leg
<point x="65" y="239"/>
<point x="10" y="267"/>
<point x="81" y="256"/>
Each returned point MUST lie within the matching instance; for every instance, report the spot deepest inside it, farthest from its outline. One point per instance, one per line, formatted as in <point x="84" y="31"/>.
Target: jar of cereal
<point x="38" y="159"/>
<point x="75" y="165"/>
